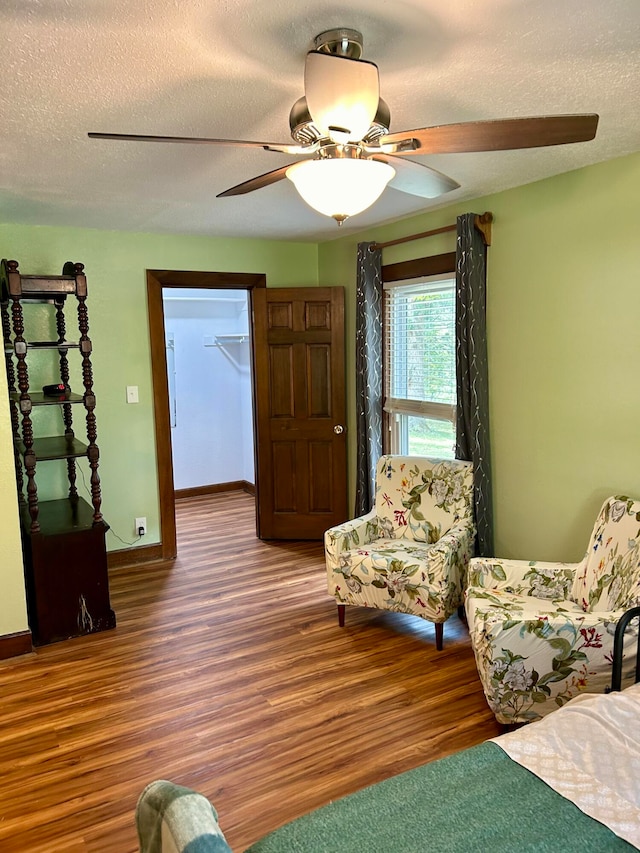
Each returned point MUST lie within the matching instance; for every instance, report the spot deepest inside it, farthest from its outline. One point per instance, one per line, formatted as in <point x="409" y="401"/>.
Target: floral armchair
<point x="410" y="553"/>
<point x="543" y="632"/>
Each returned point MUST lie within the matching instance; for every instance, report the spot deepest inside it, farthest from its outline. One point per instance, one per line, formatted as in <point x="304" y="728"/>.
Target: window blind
<point x="419" y="339"/>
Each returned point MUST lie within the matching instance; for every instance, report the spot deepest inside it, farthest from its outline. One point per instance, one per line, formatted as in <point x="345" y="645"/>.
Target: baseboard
<point x="134" y="556"/>
<point x="12" y="645"/>
<point x="216" y="488"/>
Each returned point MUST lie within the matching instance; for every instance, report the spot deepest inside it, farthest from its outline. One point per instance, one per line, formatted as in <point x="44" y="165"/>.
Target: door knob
<point x="338" y="429"/>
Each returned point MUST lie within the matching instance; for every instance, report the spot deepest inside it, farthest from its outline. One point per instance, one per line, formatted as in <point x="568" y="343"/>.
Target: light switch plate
<point x="132" y="394"/>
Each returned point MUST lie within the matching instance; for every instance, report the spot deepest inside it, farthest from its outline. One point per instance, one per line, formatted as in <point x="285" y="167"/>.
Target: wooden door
<point x="299" y="387"/>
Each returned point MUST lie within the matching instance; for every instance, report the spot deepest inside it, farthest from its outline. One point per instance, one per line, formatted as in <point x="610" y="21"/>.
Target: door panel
<point x="281" y="379"/>
<point x="318" y="316"/>
<point x="280" y="316"/>
<point x="284" y="461"/>
<point x="300" y="398"/>
<point x="319" y="381"/>
<point x="320" y="467"/>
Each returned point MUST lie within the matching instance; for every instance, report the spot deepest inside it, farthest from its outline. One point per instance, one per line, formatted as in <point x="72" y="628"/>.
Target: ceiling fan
<point x="343" y="124"/>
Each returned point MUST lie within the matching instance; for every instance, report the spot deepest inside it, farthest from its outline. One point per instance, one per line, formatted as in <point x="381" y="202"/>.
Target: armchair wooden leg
<point x="439" y="630"/>
<point x="341" y="610"/>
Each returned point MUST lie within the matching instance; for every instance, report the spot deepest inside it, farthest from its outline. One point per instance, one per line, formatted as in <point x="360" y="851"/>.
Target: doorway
<point x="157" y="282"/>
<point x="298" y="349"/>
<point x="210" y="390"/>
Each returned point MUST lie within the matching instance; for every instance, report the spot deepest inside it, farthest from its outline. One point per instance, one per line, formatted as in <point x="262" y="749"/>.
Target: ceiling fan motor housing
<point x="340" y="42"/>
<point x="305" y="132"/>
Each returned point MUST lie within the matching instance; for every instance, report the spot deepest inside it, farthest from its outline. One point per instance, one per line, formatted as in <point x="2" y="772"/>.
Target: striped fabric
<point x="173" y="819"/>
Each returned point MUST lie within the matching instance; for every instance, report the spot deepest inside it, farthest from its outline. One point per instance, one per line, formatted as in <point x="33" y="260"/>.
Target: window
<point x="420" y="366"/>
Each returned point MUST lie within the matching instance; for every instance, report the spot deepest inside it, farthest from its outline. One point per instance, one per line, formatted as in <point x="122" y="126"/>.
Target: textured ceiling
<point x="233" y="68"/>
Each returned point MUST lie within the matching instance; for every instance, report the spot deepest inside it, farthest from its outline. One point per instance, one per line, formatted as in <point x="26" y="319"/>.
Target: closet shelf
<point x="225" y="340"/>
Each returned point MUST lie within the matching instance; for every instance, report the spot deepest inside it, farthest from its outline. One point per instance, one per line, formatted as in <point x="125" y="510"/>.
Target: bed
<point x="569" y="782"/>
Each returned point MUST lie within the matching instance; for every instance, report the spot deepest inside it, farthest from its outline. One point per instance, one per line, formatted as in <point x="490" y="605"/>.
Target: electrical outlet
<point x="140" y="526"/>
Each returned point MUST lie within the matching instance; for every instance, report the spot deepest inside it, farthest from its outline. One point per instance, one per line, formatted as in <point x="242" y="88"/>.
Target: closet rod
<point x="482" y="223"/>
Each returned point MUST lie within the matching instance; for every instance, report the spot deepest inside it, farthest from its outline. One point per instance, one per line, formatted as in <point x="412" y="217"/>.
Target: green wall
<point x="13" y="610"/>
<point x="564" y="348"/>
<point x="115" y="264"/>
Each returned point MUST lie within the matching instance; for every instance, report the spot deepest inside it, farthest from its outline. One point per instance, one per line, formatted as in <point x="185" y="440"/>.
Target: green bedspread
<point x="476" y="800"/>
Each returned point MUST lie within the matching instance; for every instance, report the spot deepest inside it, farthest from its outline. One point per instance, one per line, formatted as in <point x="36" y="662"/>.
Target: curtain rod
<point x="482" y="222"/>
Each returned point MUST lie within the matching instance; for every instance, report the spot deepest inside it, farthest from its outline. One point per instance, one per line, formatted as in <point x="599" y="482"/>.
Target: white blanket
<point x="589" y="752"/>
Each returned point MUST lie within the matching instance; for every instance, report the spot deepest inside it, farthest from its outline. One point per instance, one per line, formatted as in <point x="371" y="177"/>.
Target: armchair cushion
<point x="419" y="498"/>
<point x="610" y="575"/>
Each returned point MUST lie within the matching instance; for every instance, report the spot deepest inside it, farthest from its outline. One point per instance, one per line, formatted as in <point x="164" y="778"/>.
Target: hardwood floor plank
<point x="227" y="672"/>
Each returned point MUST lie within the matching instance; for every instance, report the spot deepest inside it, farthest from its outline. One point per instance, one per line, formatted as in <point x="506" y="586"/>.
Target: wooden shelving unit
<point x="63" y="540"/>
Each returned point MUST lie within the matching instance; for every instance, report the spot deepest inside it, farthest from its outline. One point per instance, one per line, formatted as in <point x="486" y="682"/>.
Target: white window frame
<point x="394" y="407"/>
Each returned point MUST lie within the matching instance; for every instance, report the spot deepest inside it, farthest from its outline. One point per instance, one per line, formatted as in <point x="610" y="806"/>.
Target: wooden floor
<point x="227" y="673"/>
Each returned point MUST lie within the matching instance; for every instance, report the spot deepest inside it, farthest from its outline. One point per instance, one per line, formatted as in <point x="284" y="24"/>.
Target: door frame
<point x="156" y="281"/>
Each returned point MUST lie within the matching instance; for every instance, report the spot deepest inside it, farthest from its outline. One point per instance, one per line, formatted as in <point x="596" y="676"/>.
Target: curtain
<point x="368" y="373"/>
<point x="472" y="379"/>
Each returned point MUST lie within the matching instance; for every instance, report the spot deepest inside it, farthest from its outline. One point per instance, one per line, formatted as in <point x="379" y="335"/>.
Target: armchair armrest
<point x="446" y="564"/>
<point x="456" y="546"/>
<point x="591" y="630"/>
<point x="359" y="531"/>
<point x="523" y="577"/>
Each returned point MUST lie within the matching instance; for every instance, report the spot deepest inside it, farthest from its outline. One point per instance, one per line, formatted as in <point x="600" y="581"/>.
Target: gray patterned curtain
<point x="472" y="376"/>
<point x="368" y="373"/>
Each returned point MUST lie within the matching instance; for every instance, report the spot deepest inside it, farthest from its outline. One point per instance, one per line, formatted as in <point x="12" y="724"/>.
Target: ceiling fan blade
<point x="496" y="135"/>
<point x="257" y="183"/>
<point x="341" y="93"/>
<point x="195" y="140"/>
<point x="417" y="179"/>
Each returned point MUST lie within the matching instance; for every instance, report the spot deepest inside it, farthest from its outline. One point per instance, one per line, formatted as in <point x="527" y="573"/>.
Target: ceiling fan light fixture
<point x="340" y="187"/>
